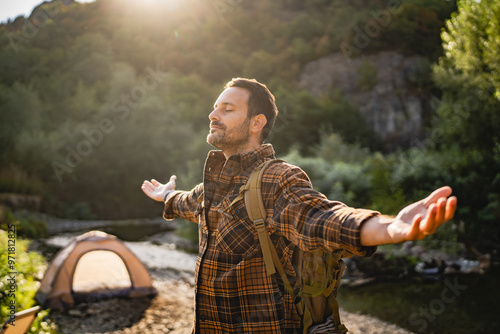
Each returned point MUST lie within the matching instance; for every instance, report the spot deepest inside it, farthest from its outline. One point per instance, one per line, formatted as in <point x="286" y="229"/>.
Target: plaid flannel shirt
<point x="234" y="294"/>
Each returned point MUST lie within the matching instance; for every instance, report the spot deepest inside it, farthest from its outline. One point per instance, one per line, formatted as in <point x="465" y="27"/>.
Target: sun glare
<point x="170" y="4"/>
<point x="85" y="1"/>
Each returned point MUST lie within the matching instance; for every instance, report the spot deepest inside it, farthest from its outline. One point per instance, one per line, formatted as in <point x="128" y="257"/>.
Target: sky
<point x="10" y="9"/>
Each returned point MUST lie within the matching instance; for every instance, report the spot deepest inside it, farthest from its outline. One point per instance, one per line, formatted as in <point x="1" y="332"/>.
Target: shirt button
<point x="229" y="170"/>
<point x="216" y="203"/>
<point x="237" y="211"/>
<point x="202" y="318"/>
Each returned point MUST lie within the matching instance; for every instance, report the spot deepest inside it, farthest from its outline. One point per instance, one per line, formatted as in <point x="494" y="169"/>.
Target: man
<point x="233" y="292"/>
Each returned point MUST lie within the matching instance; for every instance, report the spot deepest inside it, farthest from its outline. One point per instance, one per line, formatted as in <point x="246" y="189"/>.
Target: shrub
<point x="27" y="225"/>
<point x="21" y="287"/>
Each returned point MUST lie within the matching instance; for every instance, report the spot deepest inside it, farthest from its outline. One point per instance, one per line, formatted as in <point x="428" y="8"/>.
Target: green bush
<point x="27" y="225"/>
<point x="21" y="287"/>
<point x="339" y="170"/>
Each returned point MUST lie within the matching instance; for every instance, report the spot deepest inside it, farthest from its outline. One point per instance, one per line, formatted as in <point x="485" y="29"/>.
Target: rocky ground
<point x="171" y="311"/>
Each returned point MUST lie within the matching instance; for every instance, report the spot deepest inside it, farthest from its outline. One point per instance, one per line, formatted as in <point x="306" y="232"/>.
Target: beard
<point x="231" y="139"/>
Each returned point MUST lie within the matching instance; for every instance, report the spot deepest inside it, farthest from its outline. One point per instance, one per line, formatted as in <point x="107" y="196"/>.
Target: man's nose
<point x="214" y="115"/>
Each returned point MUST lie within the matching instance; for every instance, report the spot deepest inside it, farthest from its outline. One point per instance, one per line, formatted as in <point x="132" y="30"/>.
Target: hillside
<point x="90" y="90"/>
<point x="97" y="97"/>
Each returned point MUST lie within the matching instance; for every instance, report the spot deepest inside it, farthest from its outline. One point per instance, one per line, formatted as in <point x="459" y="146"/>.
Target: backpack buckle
<point x="259" y="224"/>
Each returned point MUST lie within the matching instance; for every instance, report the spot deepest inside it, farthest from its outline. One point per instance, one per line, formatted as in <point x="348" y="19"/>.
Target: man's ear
<point x="258" y="122"/>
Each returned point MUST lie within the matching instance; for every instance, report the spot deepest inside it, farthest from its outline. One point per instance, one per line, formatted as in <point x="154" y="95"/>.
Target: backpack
<point x="318" y="272"/>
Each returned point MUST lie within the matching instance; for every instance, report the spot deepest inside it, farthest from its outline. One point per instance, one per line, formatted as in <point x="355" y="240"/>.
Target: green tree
<point x="469" y="75"/>
<point x="19" y="109"/>
<point x="466" y="129"/>
<point x="259" y="65"/>
<point x="304" y="26"/>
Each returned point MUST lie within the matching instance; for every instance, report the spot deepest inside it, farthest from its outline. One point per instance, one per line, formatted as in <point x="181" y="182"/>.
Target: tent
<point x="94" y="265"/>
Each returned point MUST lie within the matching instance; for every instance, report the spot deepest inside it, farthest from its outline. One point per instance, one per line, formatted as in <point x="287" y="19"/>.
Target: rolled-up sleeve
<point x="183" y="204"/>
<point x="310" y="220"/>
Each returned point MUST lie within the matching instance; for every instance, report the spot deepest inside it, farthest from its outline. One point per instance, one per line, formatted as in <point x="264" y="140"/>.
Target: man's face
<point x="229" y="123"/>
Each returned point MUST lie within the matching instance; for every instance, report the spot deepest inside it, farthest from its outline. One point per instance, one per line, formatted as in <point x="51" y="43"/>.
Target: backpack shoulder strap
<point x="252" y="194"/>
<point x="256" y="210"/>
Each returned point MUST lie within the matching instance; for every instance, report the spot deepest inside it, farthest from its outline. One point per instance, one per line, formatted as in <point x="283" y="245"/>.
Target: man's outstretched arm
<point x="157" y="190"/>
<point x="414" y="222"/>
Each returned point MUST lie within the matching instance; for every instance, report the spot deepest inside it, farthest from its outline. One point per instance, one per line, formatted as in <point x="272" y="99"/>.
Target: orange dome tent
<point x="94" y="265"/>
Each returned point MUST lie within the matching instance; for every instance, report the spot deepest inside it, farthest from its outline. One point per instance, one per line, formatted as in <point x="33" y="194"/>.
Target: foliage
<point x="339" y="170"/>
<point x="387" y="196"/>
<point x="103" y="95"/>
<point x="26" y="224"/>
<point x="466" y="128"/>
<point x="415" y="27"/>
<point x="411" y="27"/>
<point x="469" y="75"/>
<point x="29" y="267"/>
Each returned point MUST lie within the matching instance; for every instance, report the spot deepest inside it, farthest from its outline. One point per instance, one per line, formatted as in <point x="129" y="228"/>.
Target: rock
<point x="75" y="313"/>
<point x="417" y="251"/>
<point x="383" y="86"/>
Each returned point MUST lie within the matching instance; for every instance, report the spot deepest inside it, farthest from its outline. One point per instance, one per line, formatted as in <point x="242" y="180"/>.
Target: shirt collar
<point x="262" y="153"/>
<point x="245" y="160"/>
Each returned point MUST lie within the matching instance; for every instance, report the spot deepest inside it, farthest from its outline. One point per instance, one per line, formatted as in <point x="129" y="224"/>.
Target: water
<point x="462" y="303"/>
<point x="129" y="229"/>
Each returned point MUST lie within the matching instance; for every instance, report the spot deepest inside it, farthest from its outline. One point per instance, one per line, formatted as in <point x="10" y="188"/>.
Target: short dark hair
<point x="260" y="101"/>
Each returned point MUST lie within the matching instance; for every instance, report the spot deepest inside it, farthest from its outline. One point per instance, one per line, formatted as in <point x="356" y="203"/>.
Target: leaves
<point x="103" y="95"/>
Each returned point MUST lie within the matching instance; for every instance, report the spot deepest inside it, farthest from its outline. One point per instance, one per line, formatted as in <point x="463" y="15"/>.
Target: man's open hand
<point x="414" y="222"/>
<point x="422" y="218"/>
<point x="157" y="190"/>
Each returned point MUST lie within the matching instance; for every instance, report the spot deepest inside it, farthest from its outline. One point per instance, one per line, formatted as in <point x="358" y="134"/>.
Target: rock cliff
<point x="390" y="90"/>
